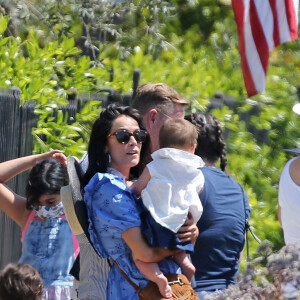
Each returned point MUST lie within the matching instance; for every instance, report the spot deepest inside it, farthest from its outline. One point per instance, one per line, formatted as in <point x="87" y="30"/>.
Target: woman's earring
<point x="109" y="158"/>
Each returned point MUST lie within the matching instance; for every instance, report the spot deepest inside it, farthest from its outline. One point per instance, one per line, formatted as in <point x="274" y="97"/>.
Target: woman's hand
<point x="164" y="253"/>
<point x="188" y="231"/>
<point x="157" y="254"/>
<point x="141" y="250"/>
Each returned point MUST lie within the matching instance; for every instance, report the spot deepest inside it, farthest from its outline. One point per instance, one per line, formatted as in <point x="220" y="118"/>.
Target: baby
<point x="170" y="187"/>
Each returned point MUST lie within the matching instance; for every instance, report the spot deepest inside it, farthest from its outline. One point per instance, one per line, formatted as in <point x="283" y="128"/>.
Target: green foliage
<point x="46" y="75"/>
<point x="94" y="24"/>
<point x="201" y="14"/>
<point x="72" y="139"/>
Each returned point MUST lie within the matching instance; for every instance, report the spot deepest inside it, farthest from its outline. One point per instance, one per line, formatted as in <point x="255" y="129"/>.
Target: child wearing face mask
<point x="47" y="241"/>
<point x="169" y="187"/>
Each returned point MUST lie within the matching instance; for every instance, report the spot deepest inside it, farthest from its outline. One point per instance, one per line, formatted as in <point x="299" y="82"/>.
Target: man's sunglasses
<point x="123" y="135"/>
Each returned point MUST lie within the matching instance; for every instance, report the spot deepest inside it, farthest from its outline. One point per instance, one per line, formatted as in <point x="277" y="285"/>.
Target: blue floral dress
<point x="113" y="209"/>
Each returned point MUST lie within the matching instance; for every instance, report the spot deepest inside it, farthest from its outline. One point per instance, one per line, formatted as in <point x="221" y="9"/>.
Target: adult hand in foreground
<point x="188" y="231"/>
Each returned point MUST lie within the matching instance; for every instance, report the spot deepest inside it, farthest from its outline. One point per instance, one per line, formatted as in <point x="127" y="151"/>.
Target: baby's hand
<point x="129" y="183"/>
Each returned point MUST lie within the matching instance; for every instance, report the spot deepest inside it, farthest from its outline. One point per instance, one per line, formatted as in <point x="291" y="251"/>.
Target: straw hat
<point x="67" y="200"/>
<point x="72" y="199"/>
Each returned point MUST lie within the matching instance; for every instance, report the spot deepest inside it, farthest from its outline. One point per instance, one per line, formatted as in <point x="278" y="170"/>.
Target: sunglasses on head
<point x="123" y="135"/>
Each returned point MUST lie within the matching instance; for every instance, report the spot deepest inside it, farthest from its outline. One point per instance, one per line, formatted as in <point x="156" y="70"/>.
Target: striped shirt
<point x="93" y="268"/>
<point x="93" y="272"/>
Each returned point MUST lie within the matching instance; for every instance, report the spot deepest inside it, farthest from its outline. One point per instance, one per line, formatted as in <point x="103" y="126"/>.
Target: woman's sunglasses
<point x="123" y="135"/>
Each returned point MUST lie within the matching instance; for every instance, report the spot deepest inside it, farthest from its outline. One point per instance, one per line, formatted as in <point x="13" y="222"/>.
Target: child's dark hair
<point x="20" y="282"/>
<point x="177" y="133"/>
<point x="47" y="177"/>
<point x="211" y="145"/>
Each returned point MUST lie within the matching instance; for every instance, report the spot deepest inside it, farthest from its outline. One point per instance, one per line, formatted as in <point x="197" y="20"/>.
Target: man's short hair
<point x="159" y="96"/>
<point x="177" y="133"/>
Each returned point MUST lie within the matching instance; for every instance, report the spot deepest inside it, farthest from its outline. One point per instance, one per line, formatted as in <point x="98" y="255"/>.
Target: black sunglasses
<point x="123" y="135"/>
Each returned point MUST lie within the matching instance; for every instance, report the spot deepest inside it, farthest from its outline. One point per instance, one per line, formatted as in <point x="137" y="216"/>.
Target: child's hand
<point x="60" y="157"/>
<point x="53" y="154"/>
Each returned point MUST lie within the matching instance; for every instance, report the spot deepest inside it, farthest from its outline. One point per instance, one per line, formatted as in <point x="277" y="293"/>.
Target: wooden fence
<point x="16" y="140"/>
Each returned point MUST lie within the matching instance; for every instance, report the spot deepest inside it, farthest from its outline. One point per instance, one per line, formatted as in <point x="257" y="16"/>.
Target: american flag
<point x="262" y="26"/>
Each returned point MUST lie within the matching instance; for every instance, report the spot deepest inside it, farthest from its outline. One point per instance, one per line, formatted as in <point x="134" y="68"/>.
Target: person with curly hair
<point x="225" y="207"/>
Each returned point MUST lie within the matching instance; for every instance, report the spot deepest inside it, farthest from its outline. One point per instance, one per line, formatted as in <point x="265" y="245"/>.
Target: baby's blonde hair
<point x="177" y="133"/>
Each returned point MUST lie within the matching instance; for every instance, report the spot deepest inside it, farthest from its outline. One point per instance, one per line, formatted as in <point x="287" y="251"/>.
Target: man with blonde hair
<point x="157" y="102"/>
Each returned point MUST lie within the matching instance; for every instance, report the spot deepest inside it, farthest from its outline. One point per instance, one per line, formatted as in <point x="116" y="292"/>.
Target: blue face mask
<point x="45" y="212"/>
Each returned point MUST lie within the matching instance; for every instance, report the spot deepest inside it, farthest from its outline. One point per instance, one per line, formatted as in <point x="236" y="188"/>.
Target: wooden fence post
<point x="16" y="140"/>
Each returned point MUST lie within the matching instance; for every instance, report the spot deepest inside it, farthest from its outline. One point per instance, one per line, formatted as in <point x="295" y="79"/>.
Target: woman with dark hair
<point x="99" y="157"/>
<point x="48" y="243"/>
<point x="225" y="207"/>
<point x="113" y="210"/>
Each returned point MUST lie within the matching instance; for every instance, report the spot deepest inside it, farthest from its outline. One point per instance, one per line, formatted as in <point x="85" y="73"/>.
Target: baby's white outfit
<point x="173" y="190"/>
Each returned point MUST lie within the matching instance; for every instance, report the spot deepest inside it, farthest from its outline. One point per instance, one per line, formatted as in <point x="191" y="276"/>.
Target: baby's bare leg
<point x="185" y="264"/>
<point x="153" y="273"/>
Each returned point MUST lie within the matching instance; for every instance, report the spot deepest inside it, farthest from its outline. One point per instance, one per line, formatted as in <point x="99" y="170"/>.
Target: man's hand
<point x="188" y="231"/>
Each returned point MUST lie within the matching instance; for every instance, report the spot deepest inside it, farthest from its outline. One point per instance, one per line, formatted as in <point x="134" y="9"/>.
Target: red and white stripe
<point x="262" y="26"/>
